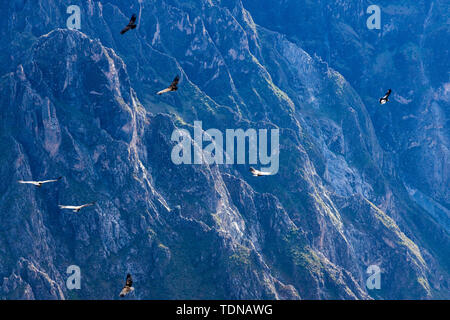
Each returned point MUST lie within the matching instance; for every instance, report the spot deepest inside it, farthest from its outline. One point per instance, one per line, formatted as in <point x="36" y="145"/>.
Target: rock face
<point x="357" y="186"/>
<point x="407" y="55"/>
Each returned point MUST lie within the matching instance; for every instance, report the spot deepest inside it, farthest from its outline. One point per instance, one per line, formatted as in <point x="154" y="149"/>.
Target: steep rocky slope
<point x="409" y="55"/>
<point x="82" y="105"/>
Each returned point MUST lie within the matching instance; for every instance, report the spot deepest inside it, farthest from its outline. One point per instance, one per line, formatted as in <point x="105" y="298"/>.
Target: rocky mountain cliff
<point x="357" y="185"/>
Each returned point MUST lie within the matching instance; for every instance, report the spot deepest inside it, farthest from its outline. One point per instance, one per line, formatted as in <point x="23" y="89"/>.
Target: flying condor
<point x="173" y="86"/>
<point x="130" y="25"/>
<point x="128" y="287"/>
<point x="385" y="98"/>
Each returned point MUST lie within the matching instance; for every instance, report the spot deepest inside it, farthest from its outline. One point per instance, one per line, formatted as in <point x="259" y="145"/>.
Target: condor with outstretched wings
<point x="385" y="98"/>
<point x="173" y="86"/>
<point x="257" y="173"/>
<point x="131" y="25"/>
<point x="39" y="183"/>
<point x="77" y="208"/>
<point x="128" y="287"/>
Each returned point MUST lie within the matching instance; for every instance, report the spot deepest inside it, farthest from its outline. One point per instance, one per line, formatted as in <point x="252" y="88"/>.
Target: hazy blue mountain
<point x="358" y="184"/>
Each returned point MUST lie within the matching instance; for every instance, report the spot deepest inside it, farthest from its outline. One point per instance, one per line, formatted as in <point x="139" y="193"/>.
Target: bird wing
<point x="387" y="94"/>
<point x="129" y="281"/>
<point x="124" y="291"/>
<point x="47" y="181"/>
<point x="125" y="29"/>
<point x="28" y="182"/>
<point x="175" y="81"/>
<point x="87" y="205"/>
<point x="68" y="207"/>
<point x="52" y="180"/>
<point x="133" y="19"/>
<point x="164" y="91"/>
